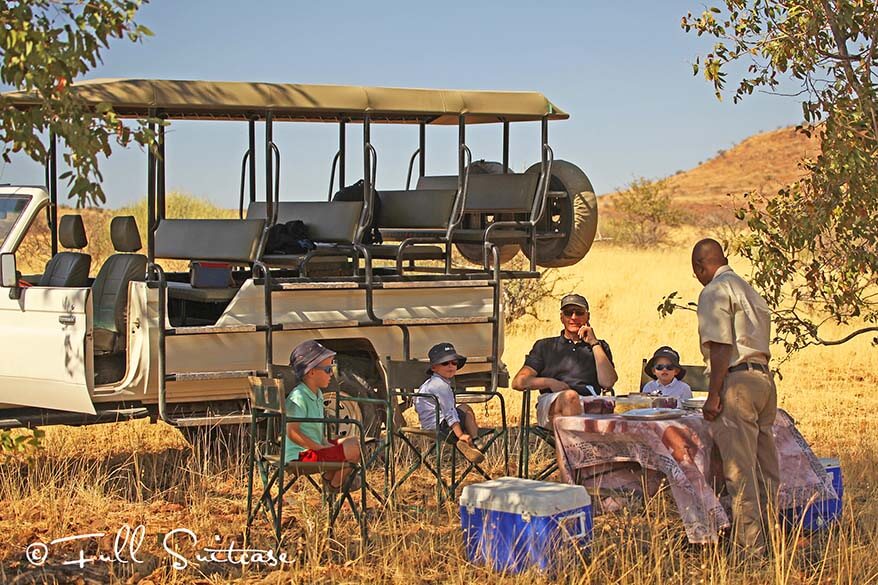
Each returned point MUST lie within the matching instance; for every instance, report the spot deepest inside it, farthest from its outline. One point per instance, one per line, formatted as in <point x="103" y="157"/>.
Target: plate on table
<point x="693" y="403"/>
<point x="653" y="413"/>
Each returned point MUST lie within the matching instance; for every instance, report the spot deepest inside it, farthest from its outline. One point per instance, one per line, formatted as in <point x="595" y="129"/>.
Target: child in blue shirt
<point x="453" y="419"/>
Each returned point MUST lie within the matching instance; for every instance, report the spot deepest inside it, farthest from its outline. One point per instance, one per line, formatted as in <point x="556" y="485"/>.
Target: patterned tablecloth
<point x="593" y="450"/>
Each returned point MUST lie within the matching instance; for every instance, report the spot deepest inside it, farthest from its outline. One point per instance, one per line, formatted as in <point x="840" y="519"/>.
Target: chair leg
<point x="251" y="467"/>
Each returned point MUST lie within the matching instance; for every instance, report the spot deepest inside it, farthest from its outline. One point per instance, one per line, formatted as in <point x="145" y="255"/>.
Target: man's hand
<point x="465" y="438"/>
<point x="556" y="385"/>
<point x="586" y="334"/>
<point x="712" y="407"/>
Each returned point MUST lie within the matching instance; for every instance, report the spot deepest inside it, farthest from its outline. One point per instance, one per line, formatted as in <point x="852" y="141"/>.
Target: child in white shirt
<point x="667" y="375"/>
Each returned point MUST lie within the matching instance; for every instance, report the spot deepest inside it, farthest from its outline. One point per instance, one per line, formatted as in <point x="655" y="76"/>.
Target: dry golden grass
<point x="96" y="479"/>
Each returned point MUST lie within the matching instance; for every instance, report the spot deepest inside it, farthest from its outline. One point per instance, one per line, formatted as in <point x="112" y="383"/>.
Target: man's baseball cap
<point x="575" y="300"/>
<point x="307" y="355"/>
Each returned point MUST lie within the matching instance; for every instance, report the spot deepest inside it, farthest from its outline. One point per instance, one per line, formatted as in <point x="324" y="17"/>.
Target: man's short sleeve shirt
<point x="731" y="312"/>
<point x="571" y="362"/>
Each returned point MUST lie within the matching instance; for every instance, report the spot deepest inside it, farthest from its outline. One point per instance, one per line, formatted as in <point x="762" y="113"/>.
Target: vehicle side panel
<point x="46" y="349"/>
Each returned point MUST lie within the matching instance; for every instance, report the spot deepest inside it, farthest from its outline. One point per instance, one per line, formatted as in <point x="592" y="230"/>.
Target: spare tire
<point x="474" y="252"/>
<point x="574" y="215"/>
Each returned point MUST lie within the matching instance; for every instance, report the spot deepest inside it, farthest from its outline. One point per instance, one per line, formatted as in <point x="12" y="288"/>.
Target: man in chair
<point x="573" y="364"/>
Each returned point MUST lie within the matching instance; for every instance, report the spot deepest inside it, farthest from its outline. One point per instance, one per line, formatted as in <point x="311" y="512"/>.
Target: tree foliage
<point x="45" y="45"/>
<point x="814" y="244"/>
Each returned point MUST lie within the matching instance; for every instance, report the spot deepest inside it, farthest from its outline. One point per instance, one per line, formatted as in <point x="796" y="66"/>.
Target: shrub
<point x="522" y="296"/>
<point x="643" y="213"/>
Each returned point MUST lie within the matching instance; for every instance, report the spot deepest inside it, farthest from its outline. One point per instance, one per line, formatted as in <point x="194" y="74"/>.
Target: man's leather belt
<point x="750" y="366"/>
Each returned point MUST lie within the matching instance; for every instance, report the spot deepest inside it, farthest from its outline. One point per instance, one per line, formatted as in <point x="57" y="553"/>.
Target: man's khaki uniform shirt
<point x="731" y="312"/>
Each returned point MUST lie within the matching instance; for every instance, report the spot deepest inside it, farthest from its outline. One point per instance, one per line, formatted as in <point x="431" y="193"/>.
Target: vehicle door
<point x="46" y="350"/>
<point x="46" y="356"/>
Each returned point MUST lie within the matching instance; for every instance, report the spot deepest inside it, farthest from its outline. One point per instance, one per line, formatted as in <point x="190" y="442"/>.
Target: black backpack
<point x="355" y="193"/>
<point x="288" y="238"/>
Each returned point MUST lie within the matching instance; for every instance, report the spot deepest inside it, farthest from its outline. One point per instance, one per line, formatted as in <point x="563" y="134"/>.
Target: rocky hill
<point x="763" y="162"/>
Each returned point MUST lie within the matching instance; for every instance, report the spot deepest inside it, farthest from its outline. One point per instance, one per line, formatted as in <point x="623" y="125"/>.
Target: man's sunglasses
<point x="660" y="367"/>
<point x="571" y="312"/>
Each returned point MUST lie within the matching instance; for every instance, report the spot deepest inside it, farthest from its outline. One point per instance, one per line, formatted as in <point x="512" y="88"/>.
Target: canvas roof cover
<point x="181" y="99"/>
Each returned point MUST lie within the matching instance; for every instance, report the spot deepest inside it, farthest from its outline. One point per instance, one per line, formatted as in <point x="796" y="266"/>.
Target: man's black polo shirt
<point x="572" y="363"/>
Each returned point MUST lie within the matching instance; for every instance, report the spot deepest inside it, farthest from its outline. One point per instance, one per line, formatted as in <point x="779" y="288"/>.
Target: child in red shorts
<point x="314" y="365"/>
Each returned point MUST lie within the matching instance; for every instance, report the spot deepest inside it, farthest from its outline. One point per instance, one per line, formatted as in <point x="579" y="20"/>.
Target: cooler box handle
<point x="581" y="527"/>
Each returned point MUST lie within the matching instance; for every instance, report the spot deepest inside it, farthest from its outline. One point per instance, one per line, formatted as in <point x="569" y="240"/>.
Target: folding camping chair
<point x="525" y="431"/>
<point x="267" y="448"/>
<point x="696" y="377"/>
<point x="427" y="446"/>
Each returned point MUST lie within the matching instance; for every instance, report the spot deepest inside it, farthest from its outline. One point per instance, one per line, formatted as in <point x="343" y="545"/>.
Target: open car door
<point x="46" y="354"/>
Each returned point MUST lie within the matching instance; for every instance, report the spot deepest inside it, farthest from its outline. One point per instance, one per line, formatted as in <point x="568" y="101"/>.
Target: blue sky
<point x="621" y="69"/>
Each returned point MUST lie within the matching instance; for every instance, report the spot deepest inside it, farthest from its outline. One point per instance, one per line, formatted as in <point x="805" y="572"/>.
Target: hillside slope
<point x="764" y="162"/>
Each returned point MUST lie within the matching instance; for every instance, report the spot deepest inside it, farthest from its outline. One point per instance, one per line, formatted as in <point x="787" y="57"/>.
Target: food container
<point x="640" y="400"/>
<point x="664" y="402"/>
<point x="623" y="404"/>
<point x="512" y="524"/>
<point x="597" y="404"/>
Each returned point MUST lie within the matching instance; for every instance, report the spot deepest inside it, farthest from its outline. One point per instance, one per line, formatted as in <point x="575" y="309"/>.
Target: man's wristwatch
<point x="591" y="345"/>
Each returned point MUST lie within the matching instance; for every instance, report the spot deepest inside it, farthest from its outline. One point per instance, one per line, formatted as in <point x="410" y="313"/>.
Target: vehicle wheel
<point x="575" y="215"/>
<point x="474" y="252"/>
<point x="351" y="384"/>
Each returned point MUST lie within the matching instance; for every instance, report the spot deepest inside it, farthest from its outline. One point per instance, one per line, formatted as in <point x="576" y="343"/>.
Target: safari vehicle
<point x="141" y="341"/>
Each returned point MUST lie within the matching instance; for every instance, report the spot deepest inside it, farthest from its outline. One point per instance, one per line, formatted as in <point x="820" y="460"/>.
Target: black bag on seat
<point x="355" y="193"/>
<point x="288" y="238"/>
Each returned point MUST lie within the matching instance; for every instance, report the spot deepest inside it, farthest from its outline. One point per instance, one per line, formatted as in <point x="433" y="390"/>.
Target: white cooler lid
<point x="524" y="496"/>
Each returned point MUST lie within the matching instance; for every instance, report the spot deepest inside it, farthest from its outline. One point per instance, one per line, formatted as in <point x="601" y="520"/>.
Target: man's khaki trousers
<point x="743" y="434"/>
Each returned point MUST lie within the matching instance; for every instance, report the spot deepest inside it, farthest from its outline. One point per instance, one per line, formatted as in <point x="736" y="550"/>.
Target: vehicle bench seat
<point x="186" y="292"/>
<point x="509" y="193"/>
<point x="328" y="223"/>
<point x="414" y="213"/>
<point x="235" y="241"/>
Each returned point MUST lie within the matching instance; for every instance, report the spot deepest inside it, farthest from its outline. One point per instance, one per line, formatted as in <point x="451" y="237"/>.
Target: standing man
<point x="573" y="364"/>
<point x="734" y="329"/>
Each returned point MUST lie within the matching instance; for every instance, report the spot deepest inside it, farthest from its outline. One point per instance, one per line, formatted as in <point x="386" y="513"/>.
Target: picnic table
<point x="612" y="454"/>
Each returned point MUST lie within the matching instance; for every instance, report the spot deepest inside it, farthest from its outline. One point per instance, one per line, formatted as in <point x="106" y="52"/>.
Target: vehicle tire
<point x="474" y="252"/>
<point x="352" y="384"/>
<point x="575" y="215"/>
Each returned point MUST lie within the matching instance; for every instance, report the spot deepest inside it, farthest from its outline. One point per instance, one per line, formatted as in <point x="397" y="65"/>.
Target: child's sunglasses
<point x="330" y="369"/>
<point x="660" y="367"/>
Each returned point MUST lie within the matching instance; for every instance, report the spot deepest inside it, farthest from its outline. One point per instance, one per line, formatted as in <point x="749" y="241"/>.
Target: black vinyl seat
<point x="68" y="269"/>
<point x="110" y="288"/>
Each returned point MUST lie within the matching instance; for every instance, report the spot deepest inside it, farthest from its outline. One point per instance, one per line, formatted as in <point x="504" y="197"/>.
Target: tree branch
<point x="846" y="338"/>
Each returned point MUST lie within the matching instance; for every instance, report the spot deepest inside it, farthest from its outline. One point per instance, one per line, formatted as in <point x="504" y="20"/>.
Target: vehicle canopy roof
<point x="237" y="100"/>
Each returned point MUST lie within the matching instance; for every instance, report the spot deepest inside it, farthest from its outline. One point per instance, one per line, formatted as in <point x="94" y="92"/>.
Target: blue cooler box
<point x="820" y="514"/>
<point x="513" y="524"/>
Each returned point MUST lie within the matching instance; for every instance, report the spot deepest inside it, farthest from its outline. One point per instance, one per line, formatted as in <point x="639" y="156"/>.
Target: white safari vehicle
<point x="137" y="341"/>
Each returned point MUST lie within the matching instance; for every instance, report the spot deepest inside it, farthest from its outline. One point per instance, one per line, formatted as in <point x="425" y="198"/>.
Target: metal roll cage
<point x="491" y="275"/>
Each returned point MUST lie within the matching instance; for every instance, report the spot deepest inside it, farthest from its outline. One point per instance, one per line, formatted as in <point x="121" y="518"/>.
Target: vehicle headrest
<point x="124" y="234"/>
<point x="71" y="232"/>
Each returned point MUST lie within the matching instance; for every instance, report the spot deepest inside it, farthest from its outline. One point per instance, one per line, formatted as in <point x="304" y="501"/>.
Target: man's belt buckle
<point x="750" y="366"/>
